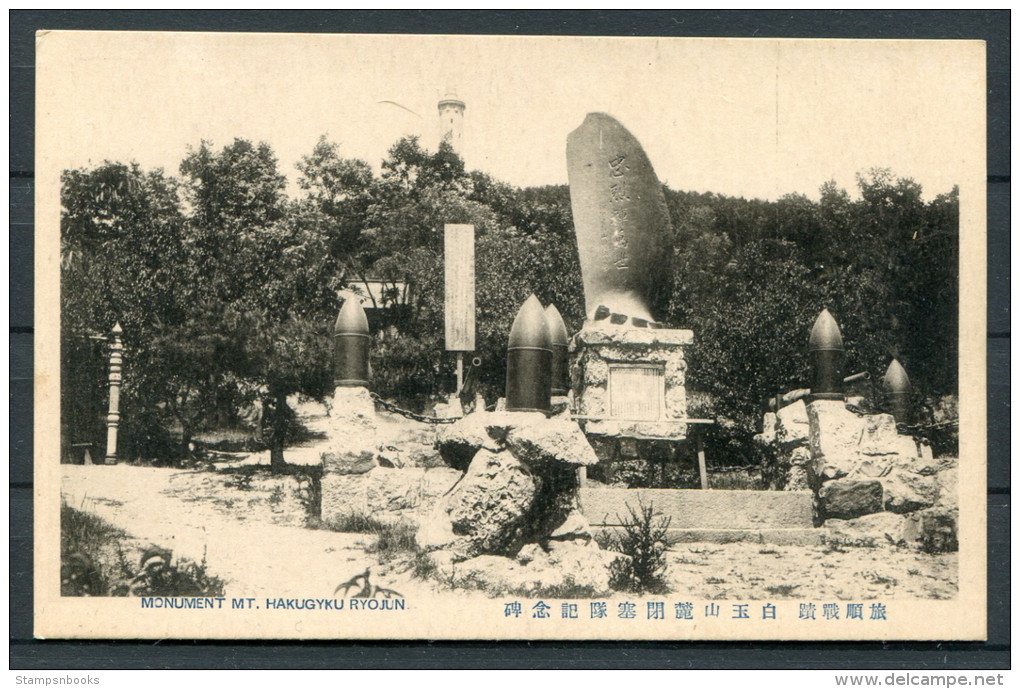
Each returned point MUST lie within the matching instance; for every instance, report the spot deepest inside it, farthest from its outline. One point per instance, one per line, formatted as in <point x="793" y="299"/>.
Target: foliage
<point x="357" y="522"/>
<point x="227" y="289"/>
<point x="569" y="589"/>
<point x="309" y="491"/>
<point x="86" y="542"/>
<point x="82" y="538"/>
<point x="751" y="276"/>
<point x="159" y="575"/>
<point x="645" y="541"/>
<point x="341" y="189"/>
<point x="394" y="539"/>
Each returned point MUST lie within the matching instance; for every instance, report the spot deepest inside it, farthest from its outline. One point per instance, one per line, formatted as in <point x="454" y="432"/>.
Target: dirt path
<point x="172" y="509"/>
<point x="748" y="571"/>
<point x="251" y="527"/>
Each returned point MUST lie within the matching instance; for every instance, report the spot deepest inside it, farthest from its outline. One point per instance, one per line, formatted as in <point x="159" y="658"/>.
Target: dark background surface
<point x="27" y="653"/>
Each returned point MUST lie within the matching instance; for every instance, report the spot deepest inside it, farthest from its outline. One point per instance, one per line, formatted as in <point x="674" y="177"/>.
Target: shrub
<point x="394" y="539"/>
<point x="568" y="589"/>
<point x="309" y="491"/>
<point x="82" y="537"/>
<point x="159" y="575"/>
<point x="645" y="540"/>
<point x="423" y="566"/>
<point x="356" y="522"/>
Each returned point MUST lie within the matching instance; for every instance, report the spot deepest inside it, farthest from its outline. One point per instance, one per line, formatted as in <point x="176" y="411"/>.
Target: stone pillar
<point x="113" y="416"/>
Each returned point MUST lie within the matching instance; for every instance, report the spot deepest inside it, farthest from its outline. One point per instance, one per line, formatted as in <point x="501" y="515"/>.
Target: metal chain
<point x="921" y="428"/>
<point x="915" y="429"/>
<point x="731" y="470"/>
<point x="390" y="407"/>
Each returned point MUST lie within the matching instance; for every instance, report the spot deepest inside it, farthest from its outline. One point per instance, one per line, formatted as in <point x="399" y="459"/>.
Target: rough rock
<point x="486" y="511"/>
<point x="872" y="529"/>
<point x="554" y="440"/>
<point x="935" y="528"/>
<point x="792" y="424"/>
<point x="520" y="485"/>
<point x="787" y="433"/>
<point x="560" y="568"/>
<point x="342" y="494"/>
<point x="850" y="498"/>
<point x="926" y="464"/>
<point x="768" y="429"/>
<point x="575" y="526"/>
<point x="352" y="405"/>
<point x="460" y="441"/>
<point x="926" y="453"/>
<point x="410" y="454"/>
<point x="385" y="494"/>
<point x="393" y="490"/>
<point x="906" y="491"/>
<point x="451" y="409"/>
<point x="879" y="435"/>
<point x="351" y="462"/>
<point x="353" y="430"/>
<point x="834" y="434"/>
<point x="948" y="486"/>
<point x="437" y="482"/>
<point x="798" y="478"/>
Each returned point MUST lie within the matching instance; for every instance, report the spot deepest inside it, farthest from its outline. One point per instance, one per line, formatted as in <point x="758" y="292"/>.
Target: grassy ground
<point x="98" y="559"/>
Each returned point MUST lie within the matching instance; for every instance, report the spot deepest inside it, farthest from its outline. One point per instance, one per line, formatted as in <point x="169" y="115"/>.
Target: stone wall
<point x="871" y="483"/>
<point x="787" y="432"/>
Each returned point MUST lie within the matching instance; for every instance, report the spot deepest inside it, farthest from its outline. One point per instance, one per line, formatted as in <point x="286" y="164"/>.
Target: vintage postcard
<point x="489" y="337"/>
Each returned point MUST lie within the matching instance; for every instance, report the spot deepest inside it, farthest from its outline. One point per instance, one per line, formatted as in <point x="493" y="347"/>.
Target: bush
<point x="394" y="539"/>
<point x="356" y="522"/>
<point x="567" y="590"/>
<point x="309" y="492"/>
<point x="82" y="538"/>
<point x="85" y="538"/>
<point x="159" y="575"/>
<point x="645" y="540"/>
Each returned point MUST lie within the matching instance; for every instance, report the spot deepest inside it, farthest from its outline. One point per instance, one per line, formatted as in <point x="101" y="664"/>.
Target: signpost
<point x="459" y="253"/>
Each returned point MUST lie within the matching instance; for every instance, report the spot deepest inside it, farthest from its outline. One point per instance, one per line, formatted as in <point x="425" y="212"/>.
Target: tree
<point x="286" y="322"/>
<point x="227" y="289"/>
<point x="235" y="189"/>
<point x="342" y="189"/>
<point x="121" y="250"/>
<point x="274" y="275"/>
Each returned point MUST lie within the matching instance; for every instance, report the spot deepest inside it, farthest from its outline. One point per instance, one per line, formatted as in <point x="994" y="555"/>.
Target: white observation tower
<point x="451" y="121"/>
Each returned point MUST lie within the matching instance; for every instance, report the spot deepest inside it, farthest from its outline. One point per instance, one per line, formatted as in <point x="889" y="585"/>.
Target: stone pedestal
<point x="629" y="381"/>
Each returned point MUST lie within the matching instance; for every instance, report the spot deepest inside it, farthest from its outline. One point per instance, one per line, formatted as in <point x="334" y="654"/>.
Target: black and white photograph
<point x="508" y="337"/>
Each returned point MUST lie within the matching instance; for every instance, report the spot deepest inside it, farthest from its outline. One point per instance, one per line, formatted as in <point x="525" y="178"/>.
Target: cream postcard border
<point x="963" y="618"/>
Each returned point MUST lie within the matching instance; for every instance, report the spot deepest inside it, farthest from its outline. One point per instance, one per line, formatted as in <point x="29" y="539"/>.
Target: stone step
<point x="717" y="510"/>
<point x="801" y="537"/>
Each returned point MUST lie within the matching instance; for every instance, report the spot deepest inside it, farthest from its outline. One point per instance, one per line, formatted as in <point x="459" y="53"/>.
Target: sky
<point x="743" y="117"/>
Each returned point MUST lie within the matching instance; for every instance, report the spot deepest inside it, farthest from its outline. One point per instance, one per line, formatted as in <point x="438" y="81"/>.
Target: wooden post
<point x="113" y="417"/>
<point x="460" y="372"/>
<point x="702" y="469"/>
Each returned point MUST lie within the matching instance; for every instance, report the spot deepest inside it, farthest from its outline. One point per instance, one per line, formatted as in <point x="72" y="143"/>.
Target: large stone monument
<point x="628" y="372"/>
